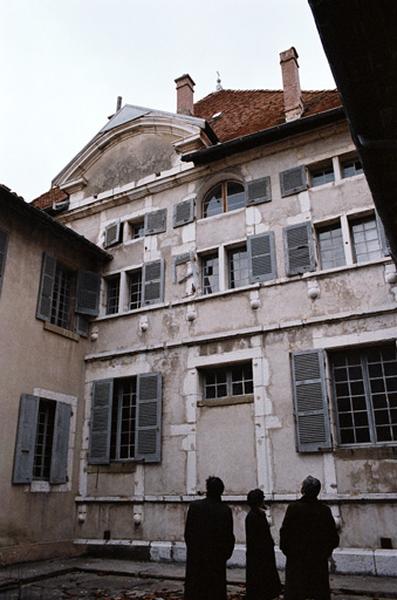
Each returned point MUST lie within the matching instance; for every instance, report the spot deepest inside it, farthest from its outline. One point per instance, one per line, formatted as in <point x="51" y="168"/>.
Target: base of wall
<point x="344" y="561"/>
<point x="20" y="553"/>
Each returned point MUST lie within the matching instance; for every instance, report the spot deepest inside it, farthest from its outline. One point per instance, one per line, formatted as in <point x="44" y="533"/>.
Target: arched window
<point x="224" y="197"/>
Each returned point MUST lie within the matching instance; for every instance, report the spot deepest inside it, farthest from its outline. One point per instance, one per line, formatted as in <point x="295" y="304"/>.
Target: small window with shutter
<point x="3" y="252"/>
<point x="259" y="191"/>
<point x="293" y="181"/>
<point x="262" y="257"/>
<point x="156" y="221"/>
<point x="183" y="212"/>
<point x="113" y="234"/>
<point x="153" y="282"/>
<point x="299" y="248"/>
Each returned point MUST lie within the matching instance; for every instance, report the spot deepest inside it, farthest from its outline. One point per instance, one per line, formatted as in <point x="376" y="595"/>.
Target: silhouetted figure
<point x="209" y="542"/>
<point x="307" y="537"/>
<point x="262" y="579"/>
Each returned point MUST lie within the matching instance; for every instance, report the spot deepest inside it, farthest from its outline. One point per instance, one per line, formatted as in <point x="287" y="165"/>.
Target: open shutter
<point x="293" y="181"/>
<point x="112" y="234"/>
<point x="101" y="420"/>
<point x="259" y="191"/>
<point x="148" y="418"/>
<point x="60" y="444"/>
<point x="82" y="325"/>
<point x="153" y="282"/>
<point x="310" y="401"/>
<point x="156" y="221"/>
<point x="3" y="252"/>
<point x="26" y="438"/>
<point x="299" y="251"/>
<point x="88" y="288"/>
<point x="262" y="257"/>
<point x="48" y="269"/>
<point x="183" y="213"/>
<point x="384" y="242"/>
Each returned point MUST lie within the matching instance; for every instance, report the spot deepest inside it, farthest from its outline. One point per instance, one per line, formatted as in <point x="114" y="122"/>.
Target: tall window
<point x="122" y="441"/>
<point x="112" y="294"/>
<point x="365" y="390"/>
<point x="221" y="382"/>
<point x="135" y="289"/>
<point x="210" y="273"/>
<point x="366" y="243"/>
<point x="62" y="297"/>
<point x="330" y="246"/>
<point x="238" y="267"/>
<point x="44" y="440"/>
<point x="226" y="196"/>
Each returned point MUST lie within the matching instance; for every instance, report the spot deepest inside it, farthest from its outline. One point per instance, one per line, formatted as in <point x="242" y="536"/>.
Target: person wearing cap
<point x="262" y="579"/>
<point x="308" y="536"/>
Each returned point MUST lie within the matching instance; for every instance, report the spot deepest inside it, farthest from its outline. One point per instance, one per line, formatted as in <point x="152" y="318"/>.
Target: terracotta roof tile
<point x="47" y="199"/>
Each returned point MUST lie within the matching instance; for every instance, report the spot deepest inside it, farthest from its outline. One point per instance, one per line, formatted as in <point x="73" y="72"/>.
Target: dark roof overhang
<point x="359" y="39"/>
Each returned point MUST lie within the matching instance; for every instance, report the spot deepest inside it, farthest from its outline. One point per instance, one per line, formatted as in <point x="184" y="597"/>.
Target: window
<point x="137" y="229"/>
<point x="135" y="289"/>
<point x="63" y="297"/>
<point x="365" y="394"/>
<point x="321" y="174"/>
<point x="226" y="196"/>
<point x="351" y="167"/>
<point x="122" y="441"/>
<point x="238" y="267"/>
<point x="330" y="246"/>
<point x="210" y="273"/>
<point x="44" y="439"/>
<point x="365" y="238"/>
<point x="222" y="382"/>
<point x="112" y="294"/>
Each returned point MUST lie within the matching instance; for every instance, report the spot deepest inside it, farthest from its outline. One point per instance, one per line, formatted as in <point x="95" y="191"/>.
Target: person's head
<point x="214" y="487"/>
<point x="311" y="487"/>
<point x="255" y="498"/>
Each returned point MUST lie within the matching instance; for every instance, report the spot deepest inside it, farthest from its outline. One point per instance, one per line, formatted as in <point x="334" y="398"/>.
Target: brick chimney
<point x="184" y="94"/>
<point x="293" y="104"/>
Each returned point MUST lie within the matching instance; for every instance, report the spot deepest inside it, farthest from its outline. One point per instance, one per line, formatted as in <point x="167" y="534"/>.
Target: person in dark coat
<point x="209" y="543"/>
<point x="262" y="579"/>
<point x="307" y="538"/>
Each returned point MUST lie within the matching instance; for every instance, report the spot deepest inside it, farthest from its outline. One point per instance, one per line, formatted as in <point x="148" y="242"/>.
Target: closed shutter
<point x="384" y="242"/>
<point x="88" y="288"/>
<point x="293" y="181"/>
<point x="60" y="444"/>
<point x="155" y="222"/>
<point x="262" y="257"/>
<point x="112" y="234"/>
<point x="299" y="251"/>
<point x="184" y="212"/>
<point x="48" y="269"/>
<point x="101" y="420"/>
<point x="153" y="282"/>
<point x="259" y="191"/>
<point x="148" y="418"/>
<point x="26" y="438"/>
<point x="3" y="252"/>
<point x="310" y="401"/>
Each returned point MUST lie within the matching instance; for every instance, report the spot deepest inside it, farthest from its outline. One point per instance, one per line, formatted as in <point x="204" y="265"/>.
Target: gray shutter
<point x="48" y="270"/>
<point x="88" y="288"/>
<point x="310" y="401"/>
<point x="183" y="212"/>
<point x="262" y="257"/>
<point x="26" y="438"/>
<point x="3" y="252"/>
<point x="299" y="251"/>
<point x="153" y="282"/>
<point x="156" y="221"/>
<point x="293" y="181"/>
<point x="148" y="418"/>
<point x="101" y="421"/>
<point x="60" y="444"/>
<point x="82" y="325"/>
<point x="259" y="191"/>
<point x="384" y="242"/>
<point x="112" y="234"/>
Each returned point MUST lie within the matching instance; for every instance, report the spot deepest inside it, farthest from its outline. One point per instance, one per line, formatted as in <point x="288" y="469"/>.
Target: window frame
<point x="57" y="295"/>
<point x="323" y="167"/>
<point x="229" y="251"/>
<point x="214" y="254"/>
<point x="358" y="220"/>
<point x="230" y="397"/>
<point x="130" y="274"/>
<point x="326" y="227"/>
<point x="116" y="277"/>
<point x="346" y="159"/>
<point x="224" y="198"/>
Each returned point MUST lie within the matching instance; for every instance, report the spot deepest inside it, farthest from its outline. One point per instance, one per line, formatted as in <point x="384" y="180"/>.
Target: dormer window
<point x="224" y="197"/>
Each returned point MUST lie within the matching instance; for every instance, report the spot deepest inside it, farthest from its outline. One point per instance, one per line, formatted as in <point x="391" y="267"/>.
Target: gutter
<point x="266" y="136"/>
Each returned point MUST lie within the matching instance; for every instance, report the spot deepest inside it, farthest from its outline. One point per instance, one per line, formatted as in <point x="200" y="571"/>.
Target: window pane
<point x="238" y="267"/>
<point x="235" y="196"/>
<point x="44" y="440"/>
<point x="212" y="204"/>
<point x="366" y="240"/>
<point x="228" y="381"/>
<point x="322" y="175"/>
<point x="123" y="419"/>
<point x="61" y="307"/>
<point x="351" y="167"/>
<point x="210" y="273"/>
<point x="112" y="295"/>
<point x="331" y="247"/>
<point x="135" y="289"/>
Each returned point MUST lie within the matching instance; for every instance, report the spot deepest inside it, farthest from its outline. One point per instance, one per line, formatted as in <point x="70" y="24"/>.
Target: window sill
<point x="229" y="400"/>
<point x="61" y="331"/>
<point x="222" y="214"/>
<point x="114" y="467"/>
<point x="135" y="311"/>
<point x="369" y="452"/>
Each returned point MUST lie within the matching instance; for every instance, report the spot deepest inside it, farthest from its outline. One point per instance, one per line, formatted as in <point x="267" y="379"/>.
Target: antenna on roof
<point x="218" y="82"/>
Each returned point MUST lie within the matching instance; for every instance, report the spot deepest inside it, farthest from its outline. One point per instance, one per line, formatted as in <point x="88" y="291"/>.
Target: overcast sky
<point x="64" y="62"/>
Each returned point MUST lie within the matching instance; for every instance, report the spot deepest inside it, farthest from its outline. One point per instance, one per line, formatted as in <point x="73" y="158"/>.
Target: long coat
<point x="262" y="579"/>
<point x="307" y="537"/>
<point x="209" y="542"/>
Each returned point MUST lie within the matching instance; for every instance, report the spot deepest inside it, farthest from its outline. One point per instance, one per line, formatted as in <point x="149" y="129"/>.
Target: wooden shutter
<point x="3" y="252"/>
<point x="60" y="444"/>
<point x="293" y="181"/>
<point x="153" y="282"/>
<point x="148" y="418"/>
<point x="299" y="251"/>
<point x="259" y="191"/>
<point x="26" y="438"/>
<point x="48" y="269"/>
<point x="310" y="401"/>
<point x="101" y="420"/>
<point x="112" y="234"/>
<point x="384" y="242"/>
<point x="262" y="257"/>
<point x="88" y="288"/>
<point x="183" y="212"/>
<point x="156" y="221"/>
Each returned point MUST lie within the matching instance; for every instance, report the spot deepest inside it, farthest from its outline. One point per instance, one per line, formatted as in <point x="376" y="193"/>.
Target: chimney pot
<point x="293" y="104"/>
<point x="184" y="94"/>
<point x="119" y="101"/>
